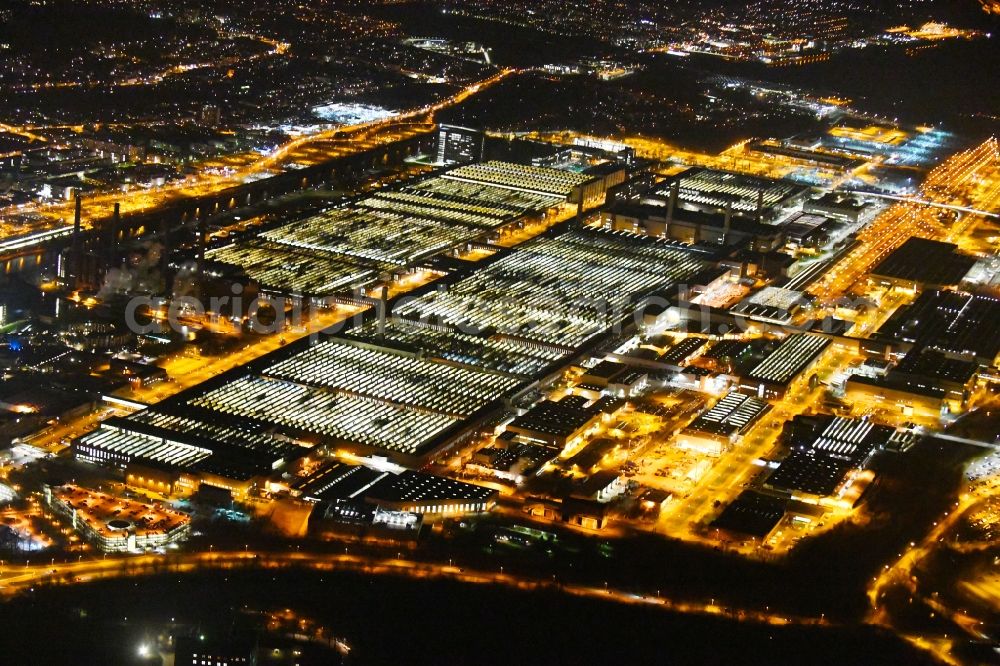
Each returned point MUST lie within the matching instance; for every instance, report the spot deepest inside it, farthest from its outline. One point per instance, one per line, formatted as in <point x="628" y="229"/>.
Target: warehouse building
<point x="720" y="427"/>
<point x="926" y="382"/>
<point x="404" y="492"/>
<point x="751" y="514"/>
<point x="792" y="359"/>
<point x="559" y="291"/>
<point x="427" y="494"/>
<point x="839" y="205"/>
<point x="417" y="382"/>
<point x="907" y="396"/>
<point x="920" y="264"/>
<point x="711" y="191"/>
<point x="584" y="190"/>
<point x="958" y="324"/>
<point x="339" y="392"/>
<point x="826" y="452"/>
<point x="773" y="305"/>
<point x="366" y="238"/>
<point x="558" y="423"/>
<point x="692" y="226"/>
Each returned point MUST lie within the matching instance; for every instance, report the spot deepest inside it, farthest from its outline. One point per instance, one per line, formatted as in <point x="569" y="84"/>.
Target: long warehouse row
<point x="354" y="243"/>
<point x="558" y="291"/>
<point x="394" y="378"/>
<point x="440" y="363"/>
<point x="403" y="389"/>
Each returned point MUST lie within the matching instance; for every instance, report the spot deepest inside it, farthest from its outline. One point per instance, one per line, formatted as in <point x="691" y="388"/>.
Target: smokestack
<point x="202" y="240"/>
<point x="383" y="306"/>
<point x="675" y="189"/>
<point x="76" y="265"/>
<point x="760" y="204"/>
<point x="77" y="215"/>
<point x="116" y="221"/>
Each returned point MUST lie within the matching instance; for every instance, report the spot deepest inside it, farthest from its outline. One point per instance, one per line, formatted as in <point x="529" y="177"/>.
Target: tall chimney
<point x="675" y="189"/>
<point x="760" y="204"/>
<point x="76" y="265"/>
<point x="166" y="249"/>
<point x="202" y="240"/>
<point x="77" y="215"/>
<point x="116" y="223"/>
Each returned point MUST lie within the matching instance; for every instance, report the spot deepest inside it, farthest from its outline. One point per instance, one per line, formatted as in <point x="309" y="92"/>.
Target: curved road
<point x="18" y="578"/>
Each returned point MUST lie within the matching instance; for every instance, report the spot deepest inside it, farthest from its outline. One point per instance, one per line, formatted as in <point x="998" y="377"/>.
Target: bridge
<point x="936" y="204"/>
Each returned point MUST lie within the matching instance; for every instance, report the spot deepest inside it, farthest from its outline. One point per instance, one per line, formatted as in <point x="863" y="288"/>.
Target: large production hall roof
<point x="559" y="291"/>
<point x="351" y="244"/>
<point x="925" y="261"/>
<point x="541" y="180"/>
<point x="717" y="189"/>
<point x="792" y="356"/>
<point x="949" y="321"/>
<point x="443" y="360"/>
<point x="335" y="391"/>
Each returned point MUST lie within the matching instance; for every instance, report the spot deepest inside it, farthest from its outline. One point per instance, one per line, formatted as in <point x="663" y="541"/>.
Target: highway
<point x="221" y="173"/>
<point x="15" y="578"/>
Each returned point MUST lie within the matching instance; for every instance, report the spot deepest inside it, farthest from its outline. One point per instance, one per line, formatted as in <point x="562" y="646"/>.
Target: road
<point x="221" y="173"/>
<point x="933" y="204"/>
<point x="188" y="368"/>
<point x="17" y="578"/>
<point x="734" y="471"/>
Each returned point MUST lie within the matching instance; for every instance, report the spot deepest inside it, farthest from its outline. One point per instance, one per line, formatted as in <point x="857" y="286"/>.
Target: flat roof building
<point x="753" y="197"/>
<point x="174" y="447"/>
<point x="691" y="226"/>
<point x="336" y="481"/>
<point x="582" y="189"/>
<point x="825" y="450"/>
<point x="405" y="492"/>
<point x="926" y="381"/>
<point x="412" y="384"/>
<point x="774" y="305"/>
<point x="751" y="514"/>
<point x="838" y="205"/>
<point x="557" y="423"/>
<point x="354" y="243"/>
<point x="955" y="376"/>
<point x="793" y="357"/>
<point x="903" y="394"/>
<point x="920" y="264"/>
<point x="558" y="291"/>
<point x="956" y="323"/>
<point x="114" y="524"/>
<point x="416" y="492"/>
<point x="719" y="427"/>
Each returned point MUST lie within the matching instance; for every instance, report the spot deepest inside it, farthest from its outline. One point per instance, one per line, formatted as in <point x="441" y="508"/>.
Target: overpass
<point x="935" y="204"/>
